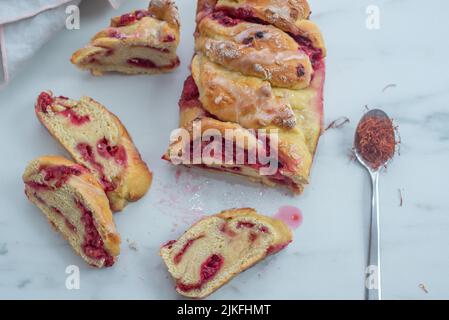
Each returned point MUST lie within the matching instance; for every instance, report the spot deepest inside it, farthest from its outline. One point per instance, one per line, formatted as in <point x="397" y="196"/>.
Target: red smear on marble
<point x="178" y="175"/>
<point x="292" y="216"/>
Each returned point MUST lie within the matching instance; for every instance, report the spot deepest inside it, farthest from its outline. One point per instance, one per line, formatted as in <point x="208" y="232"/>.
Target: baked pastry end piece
<point x="76" y="206"/>
<point x="257" y="74"/>
<point x="219" y="247"/>
<point x="97" y="139"/>
<point x="142" y="41"/>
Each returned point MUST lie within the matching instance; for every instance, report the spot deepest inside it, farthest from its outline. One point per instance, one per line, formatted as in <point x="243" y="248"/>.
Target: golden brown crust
<point x="142" y="41"/>
<point x="165" y="10"/>
<point x="287" y="15"/>
<point x="87" y="189"/>
<point x="134" y="180"/>
<point x="256" y="50"/>
<point x="281" y="237"/>
<point x="246" y="100"/>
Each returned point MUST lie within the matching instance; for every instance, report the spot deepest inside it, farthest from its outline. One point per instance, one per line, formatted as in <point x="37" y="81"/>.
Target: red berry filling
<point x="107" y="151"/>
<point x="37" y="186"/>
<point x="224" y="20"/>
<point x="43" y="101"/>
<point x="315" y="54"/>
<point x="88" y="155"/>
<point x="93" y="245"/>
<point x="132" y="17"/>
<point x="245" y="224"/>
<point x="178" y="257"/>
<point x="253" y="237"/>
<point x="143" y="63"/>
<point x="249" y="225"/>
<point x="149" y="64"/>
<point x="169" y="244"/>
<point x="127" y="19"/>
<point x="41" y="201"/>
<point x="74" y="117"/>
<point x="239" y="14"/>
<point x="169" y="38"/>
<point x="225" y="229"/>
<point x="190" y="94"/>
<point x="115" y="34"/>
<point x="60" y="174"/>
<point x="208" y="270"/>
<point x="276" y="248"/>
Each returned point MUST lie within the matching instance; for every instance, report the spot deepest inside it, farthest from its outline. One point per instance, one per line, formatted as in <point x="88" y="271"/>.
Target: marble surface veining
<point x="401" y="67"/>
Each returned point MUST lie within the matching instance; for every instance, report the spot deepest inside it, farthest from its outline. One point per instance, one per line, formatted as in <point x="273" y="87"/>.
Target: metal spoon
<point x="374" y="292"/>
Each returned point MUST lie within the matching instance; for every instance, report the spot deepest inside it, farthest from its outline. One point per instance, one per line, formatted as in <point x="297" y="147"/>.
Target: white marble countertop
<point x="328" y="256"/>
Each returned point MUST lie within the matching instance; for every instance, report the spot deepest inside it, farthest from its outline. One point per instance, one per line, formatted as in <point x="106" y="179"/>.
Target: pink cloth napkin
<point x="25" y="26"/>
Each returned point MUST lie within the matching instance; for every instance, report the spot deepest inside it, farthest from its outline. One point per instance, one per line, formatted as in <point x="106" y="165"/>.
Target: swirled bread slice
<point x="97" y="140"/>
<point x="76" y="206"/>
<point x="258" y="71"/>
<point x="217" y="248"/>
<point x="142" y="41"/>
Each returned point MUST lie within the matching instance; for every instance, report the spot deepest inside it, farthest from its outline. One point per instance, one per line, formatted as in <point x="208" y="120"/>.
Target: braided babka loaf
<point x="258" y="64"/>
<point x="219" y="247"/>
<point x="97" y="139"/>
<point x="142" y="41"/>
<point x="76" y="206"/>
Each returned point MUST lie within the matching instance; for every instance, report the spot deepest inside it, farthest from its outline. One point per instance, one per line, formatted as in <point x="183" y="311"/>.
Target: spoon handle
<point x="373" y="281"/>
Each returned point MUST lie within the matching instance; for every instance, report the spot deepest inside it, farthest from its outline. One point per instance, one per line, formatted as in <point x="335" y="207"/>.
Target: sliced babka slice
<point x="219" y="247"/>
<point x="142" y="41"/>
<point x="76" y="206"/>
<point x="97" y="139"/>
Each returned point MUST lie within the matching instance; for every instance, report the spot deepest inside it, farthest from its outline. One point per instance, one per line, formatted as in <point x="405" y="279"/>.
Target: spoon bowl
<point x="378" y="114"/>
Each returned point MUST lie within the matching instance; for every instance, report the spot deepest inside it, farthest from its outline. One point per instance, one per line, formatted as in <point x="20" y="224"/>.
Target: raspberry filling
<point x="130" y="18"/>
<point x="249" y="225"/>
<point x="149" y="64"/>
<point x="178" y="257"/>
<point x="277" y="247"/>
<point x="74" y="117"/>
<point x="245" y="224"/>
<point x="108" y="151"/>
<point x="253" y="237"/>
<point x="169" y="244"/>
<point x="225" y="229"/>
<point x="225" y="20"/>
<point x="60" y="174"/>
<point x="93" y="245"/>
<point x="315" y="54"/>
<point x="190" y="94"/>
<point x="113" y="33"/>
<point x="43" y="101"/>
<point x="37" y="186"/>
<point x="143" y="63"/>
<point x="87" y="154"/>
<point x="169" y="38"/>
<point x="208" y="271"/>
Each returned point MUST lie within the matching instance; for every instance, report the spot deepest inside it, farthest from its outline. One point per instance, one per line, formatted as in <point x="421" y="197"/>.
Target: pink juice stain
<point x="178" y="175"/>
<point x="292" y="216"/>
